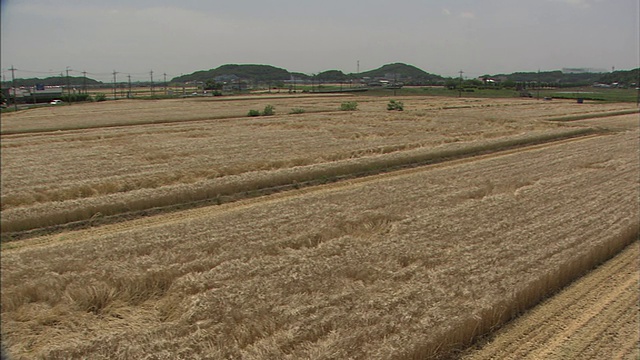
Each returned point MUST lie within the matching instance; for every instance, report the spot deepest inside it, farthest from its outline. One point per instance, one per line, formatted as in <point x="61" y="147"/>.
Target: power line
<point x="104" y="77"/>
<point x="36" y="72"/>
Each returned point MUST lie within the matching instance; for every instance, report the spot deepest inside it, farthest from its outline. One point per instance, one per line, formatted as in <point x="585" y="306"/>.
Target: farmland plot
<point x="52" y="178"/>
<point x="136" y="112"/>
<point x="404" y="265"/>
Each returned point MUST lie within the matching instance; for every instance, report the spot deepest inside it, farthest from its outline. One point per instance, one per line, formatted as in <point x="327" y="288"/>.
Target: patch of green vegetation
<point x="349" y="106"/>
<point x="268" y="110"/>
<point x="612" y="95"/>
<point x="8" y="109"/>
<point x="395" y="105"/>
<point x="100" y="97"/>
<point x="594" y="116"/>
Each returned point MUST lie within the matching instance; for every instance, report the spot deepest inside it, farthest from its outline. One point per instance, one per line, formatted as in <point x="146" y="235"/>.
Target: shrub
<point x="254" y="113"/>
<point x="395" y="105"/>
<point x="349" y="106"/>
<point x="75" y="97"/>
<point x="100" y="97"/>
<point x="297" y="111"/>
<point x="268" y="110"/>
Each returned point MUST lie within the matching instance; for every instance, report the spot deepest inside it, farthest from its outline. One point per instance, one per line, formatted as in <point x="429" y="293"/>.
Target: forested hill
<point x="262" y="73"/>
<point x="246" y="71"/>
<point x="53" y="81"/>
<point x="408" y="74"/>
<point x="553" y="77"/>
<point x="404" y="73"/>
<point x="558" y="78"/>
<point x="626" y="77"/>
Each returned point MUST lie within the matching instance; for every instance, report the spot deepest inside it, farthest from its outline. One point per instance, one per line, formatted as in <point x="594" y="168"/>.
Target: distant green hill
<point x="558" y="78"/>
<point x="266" y="73"/>
<point x="260" y="73"/>
<point x="54" y="81"/>
<point x="553" y="78"/>
<point x="332" y="76"/>
<point x="623" y="77"/>
<point x="408" y="74"/>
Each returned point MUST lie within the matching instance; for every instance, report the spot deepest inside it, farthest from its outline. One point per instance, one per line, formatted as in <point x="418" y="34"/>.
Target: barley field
<point x="409" y="264"/>
<point x="118" y="157"/>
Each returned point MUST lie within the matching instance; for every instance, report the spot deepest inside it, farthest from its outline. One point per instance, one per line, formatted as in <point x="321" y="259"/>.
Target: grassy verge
<point x="594" y="116"/>
<point x="609" y="95"/>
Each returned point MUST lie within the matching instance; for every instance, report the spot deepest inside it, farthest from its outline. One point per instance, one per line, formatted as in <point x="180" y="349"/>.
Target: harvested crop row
<point x="98" y="172"/>
<point x="233" y="187"/>
<point x="395" y="267"/>
<point x="119" y="113"/>
<point x="67" y="165"/>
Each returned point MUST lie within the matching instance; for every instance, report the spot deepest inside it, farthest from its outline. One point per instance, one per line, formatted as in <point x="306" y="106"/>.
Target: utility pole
<point x="68" y="86"/>
<point x="129" y="93"/>
<point x="638" y="88"/>
<point x="84" y="82"/>
<point x="395" y="83"/>
<point x="13" y="84"/>
<point x="151" y="73"/>
<point x="114" y="85"/>
<point x="538" y="92"/>
<point x="165" y="83"/>
<point x="460" y="87"/>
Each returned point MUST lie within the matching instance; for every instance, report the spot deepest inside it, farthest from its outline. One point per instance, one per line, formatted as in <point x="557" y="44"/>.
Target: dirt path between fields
<point x="597" y="317"/>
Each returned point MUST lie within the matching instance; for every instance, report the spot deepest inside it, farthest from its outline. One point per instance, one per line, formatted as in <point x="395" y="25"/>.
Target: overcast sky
<point x="43" y="38"/>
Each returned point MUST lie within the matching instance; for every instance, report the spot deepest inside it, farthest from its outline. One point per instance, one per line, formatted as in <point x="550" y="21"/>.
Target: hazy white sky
<point x="46" y="37"/>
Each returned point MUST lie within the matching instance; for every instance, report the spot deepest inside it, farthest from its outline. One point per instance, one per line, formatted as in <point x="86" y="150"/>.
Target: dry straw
<point x="410" y="265"/>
